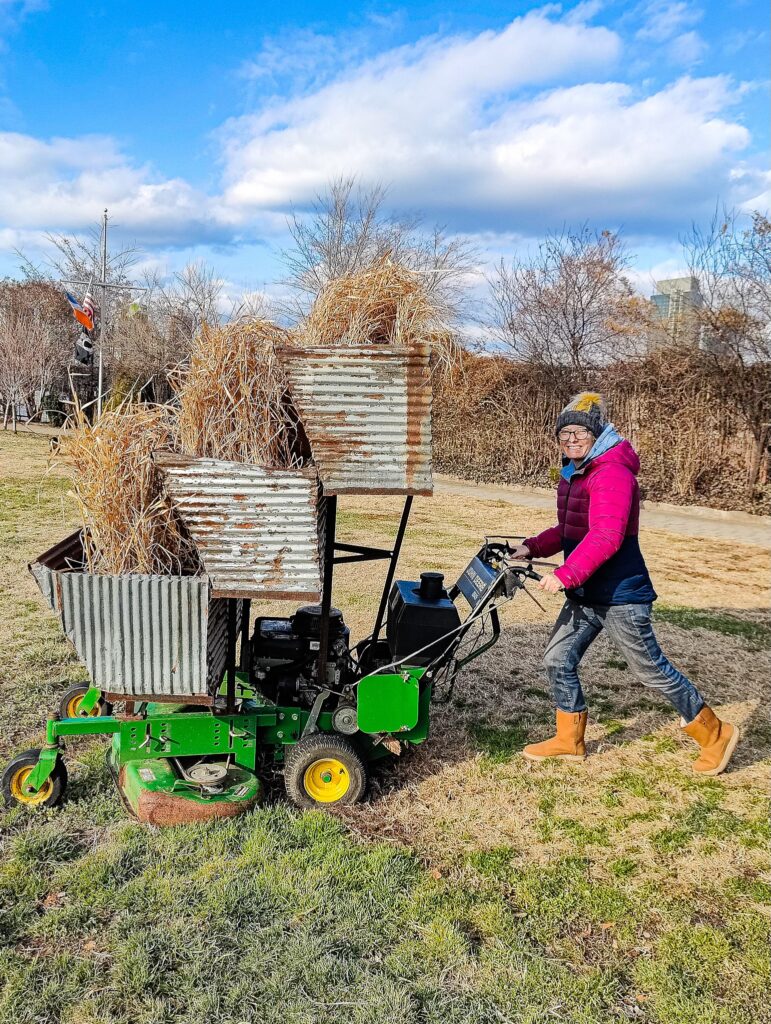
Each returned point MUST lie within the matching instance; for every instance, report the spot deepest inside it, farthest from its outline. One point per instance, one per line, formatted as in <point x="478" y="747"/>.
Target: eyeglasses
<point x="579" y="435"/>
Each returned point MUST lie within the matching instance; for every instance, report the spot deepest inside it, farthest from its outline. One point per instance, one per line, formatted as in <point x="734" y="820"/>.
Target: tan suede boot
<point x="717" y="741"/>
<point x="568" y="744"/>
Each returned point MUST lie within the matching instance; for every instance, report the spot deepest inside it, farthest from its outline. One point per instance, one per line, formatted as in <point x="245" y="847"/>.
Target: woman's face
<point x="576" y="441"/>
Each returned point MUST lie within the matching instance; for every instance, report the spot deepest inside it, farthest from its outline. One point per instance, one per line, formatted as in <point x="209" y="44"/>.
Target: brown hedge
<point x="700" y="424"/>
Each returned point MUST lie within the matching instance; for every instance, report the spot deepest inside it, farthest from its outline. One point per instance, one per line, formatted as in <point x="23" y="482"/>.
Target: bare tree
<point x="731" y="259"/>
<point x="36" y="339"/>
<point x="77" y="259"/>
<point x="570" y="304"/>
<point x="348" y="228"/>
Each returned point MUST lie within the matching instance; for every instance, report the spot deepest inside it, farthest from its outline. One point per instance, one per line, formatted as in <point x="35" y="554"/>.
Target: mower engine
<point x="421" y="618"/>
<point x="284" y="656"/>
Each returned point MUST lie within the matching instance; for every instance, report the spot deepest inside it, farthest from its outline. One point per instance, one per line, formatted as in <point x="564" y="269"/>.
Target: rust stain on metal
<point x="414" y="425"/>
<point x="256" y="528"/>
<point x="274" y="572"/>
<point x="366" y="411"/>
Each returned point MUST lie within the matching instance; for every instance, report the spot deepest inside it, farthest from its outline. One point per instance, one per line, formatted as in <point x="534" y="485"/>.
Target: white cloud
<point x="300" y="59"/>
<point x="760" y="200"/>
<point x="64" y="184"/>
<point x="400" y="109"/>
<point x="664" y="19"/>
<point x="455" y="128"/>
<point x="687" y="49"/>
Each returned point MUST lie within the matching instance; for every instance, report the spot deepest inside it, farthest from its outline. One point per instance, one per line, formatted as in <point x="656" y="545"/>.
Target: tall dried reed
<point x="385" y="304"/>
<point x="233" y="401"/>
<point x="130" y="526"/>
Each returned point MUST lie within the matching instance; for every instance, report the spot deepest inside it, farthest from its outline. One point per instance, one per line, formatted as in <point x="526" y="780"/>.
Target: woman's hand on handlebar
<point x="550" y="584"/>
<point x="520" y="551"/>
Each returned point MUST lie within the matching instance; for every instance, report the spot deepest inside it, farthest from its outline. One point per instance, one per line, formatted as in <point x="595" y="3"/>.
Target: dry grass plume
<point x="233" y="400"/>
<point x="130" y="525"/>
<point x="385" y="304"/>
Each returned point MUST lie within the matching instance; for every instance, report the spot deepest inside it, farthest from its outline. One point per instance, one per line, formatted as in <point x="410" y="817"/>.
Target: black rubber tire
<point x="80" y="690"/>
<point x="57" y="780"/>
<point x="320" y="745"/>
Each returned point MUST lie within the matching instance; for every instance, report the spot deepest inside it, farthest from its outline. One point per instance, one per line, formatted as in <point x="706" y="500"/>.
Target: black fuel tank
<point x="418" y="614"/>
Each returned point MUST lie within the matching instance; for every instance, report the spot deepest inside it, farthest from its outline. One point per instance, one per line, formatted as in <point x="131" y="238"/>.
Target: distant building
<point x="676" y="313"/>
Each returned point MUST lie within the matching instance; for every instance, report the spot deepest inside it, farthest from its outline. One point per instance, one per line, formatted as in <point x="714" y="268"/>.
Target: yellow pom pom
<point x="585" y="401"/>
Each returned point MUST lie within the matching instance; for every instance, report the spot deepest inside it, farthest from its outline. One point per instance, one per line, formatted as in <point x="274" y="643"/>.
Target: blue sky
<point x="201" y="126"/>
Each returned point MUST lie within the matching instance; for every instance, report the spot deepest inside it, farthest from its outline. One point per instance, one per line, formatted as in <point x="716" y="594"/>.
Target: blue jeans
<point x="629" y="626"/>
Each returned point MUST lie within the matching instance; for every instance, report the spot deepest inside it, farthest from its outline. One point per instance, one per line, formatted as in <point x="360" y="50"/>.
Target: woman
<point x="607" y="586"/>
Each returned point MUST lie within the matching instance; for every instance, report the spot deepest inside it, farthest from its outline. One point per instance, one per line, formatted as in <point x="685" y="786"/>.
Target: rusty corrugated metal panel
<point x="148" y="636"/>
<point x="256" y="529"/>
<point x="366" y="411"/>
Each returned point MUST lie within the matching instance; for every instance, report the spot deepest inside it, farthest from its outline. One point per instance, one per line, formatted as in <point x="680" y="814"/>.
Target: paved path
<point x="691" y="521"/>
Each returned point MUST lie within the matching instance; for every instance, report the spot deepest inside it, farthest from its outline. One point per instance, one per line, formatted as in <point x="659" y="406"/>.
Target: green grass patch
<point x="757" y="633"/>
<point x="617" y="663"/>
<point x="706" y="819"/>
<point x="634" y="783"/>
<point x="612" y="726"/>
<point x="624" y="867"/>
<point x="700" y="974"/>
<point x="499" y="743"/>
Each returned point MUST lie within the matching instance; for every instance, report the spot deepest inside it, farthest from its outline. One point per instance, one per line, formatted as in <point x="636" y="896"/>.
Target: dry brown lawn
<point x="622" y="888"/>
<point x="466" y="788"/>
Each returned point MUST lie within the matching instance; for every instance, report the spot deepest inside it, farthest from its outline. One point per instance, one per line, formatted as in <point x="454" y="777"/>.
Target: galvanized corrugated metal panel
<point x="366" y="411"/>
<point x="256" y="529"/>
<point x="141" y="636"/>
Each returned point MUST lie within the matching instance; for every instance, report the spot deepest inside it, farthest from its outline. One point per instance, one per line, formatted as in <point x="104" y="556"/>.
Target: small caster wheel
<point x="324" y="768"/>
<point x="69" y="705"/>
<point x="15" y="789"/>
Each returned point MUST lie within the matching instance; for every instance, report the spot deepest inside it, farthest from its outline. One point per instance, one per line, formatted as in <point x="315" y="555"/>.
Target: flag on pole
<point x="83" y="314"/>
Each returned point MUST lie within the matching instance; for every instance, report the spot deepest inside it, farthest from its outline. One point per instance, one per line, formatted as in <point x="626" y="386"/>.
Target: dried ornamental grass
<point x="130" y="526"/>
<point x="233" y="399"/>
<point x="384" y="304"/>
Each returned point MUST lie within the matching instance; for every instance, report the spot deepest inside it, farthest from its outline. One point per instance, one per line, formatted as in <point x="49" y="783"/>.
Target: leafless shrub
<point x="732" y="263"/>
<point x="35" y="344"/>
<point x="348" y="230"/>
<point x="494" y="421"/>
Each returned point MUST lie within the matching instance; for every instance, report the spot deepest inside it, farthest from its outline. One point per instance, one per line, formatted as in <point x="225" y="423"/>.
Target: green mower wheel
<point x="15" y="790"/>
<point x="69" y="705"/>
<point x="324" y="769"/>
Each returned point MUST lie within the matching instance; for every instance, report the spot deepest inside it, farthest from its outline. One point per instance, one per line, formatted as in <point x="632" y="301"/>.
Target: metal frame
<point x="354" y="553"/>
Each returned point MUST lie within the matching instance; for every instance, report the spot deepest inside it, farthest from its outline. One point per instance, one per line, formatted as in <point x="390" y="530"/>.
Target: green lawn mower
<point x="207" y="706"/>
<point x="298" y="700"/>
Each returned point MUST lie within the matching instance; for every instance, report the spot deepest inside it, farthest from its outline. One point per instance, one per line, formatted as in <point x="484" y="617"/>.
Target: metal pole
<point x="102" y="318"/>
<point x="391" y="569"/>
<point x="246" y="610"/>
<point x="230" y="670"/>
<point x="326" y="588"/>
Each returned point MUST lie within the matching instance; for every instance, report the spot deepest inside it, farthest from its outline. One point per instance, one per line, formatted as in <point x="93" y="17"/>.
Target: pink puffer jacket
<point x="598" y="511"/>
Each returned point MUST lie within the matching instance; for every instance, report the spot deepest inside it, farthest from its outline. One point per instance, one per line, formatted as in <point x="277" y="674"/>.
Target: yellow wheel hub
<point x="24" y="795"/>
<point x="326" y="780"/>
<point x="73" y="708"/>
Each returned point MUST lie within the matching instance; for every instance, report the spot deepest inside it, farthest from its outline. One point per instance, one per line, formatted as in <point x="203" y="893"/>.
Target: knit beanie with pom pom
<point x="586" y="409"/>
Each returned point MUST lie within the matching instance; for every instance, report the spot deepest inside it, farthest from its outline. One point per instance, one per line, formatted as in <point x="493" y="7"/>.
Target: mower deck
<point x="155" y="793"/>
